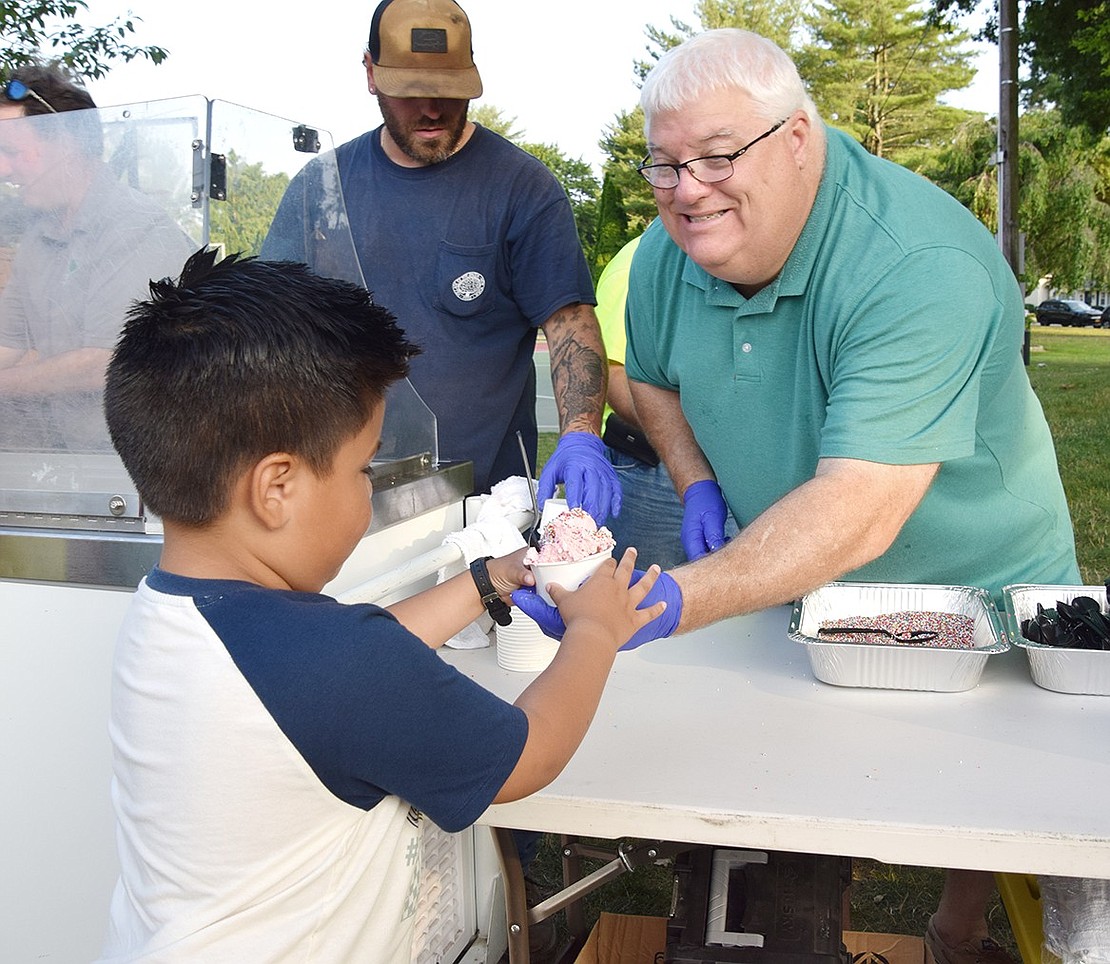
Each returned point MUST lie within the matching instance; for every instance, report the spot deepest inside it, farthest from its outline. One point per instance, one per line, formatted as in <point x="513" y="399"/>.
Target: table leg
<point x="572" y="873"/>
<point x="519" y="916"/>
<point x="516" y="903"/>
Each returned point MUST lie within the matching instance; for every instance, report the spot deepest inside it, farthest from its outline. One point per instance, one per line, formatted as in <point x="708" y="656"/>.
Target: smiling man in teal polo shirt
<point x="830" y="346"/>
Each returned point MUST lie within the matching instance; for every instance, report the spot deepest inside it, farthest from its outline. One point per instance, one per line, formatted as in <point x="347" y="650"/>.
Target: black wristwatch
<point x="495" y="606"/>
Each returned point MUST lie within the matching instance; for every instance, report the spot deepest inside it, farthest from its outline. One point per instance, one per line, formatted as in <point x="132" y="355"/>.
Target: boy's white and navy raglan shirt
<point x="273" y="753"/>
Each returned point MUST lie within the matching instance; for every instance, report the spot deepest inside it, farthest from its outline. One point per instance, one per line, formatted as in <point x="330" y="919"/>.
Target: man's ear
<point x="800" y="133"/>
<point x="369" y="65"/>
<point x="273" y="484"/>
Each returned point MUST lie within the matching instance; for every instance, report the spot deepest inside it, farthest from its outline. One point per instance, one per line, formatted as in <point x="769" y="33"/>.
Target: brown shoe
<point x="983" y="951"/>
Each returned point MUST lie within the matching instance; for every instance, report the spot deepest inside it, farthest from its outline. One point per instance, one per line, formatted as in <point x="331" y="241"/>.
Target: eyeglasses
<point x="708" y="170"/>
<point x="17" y="90"/>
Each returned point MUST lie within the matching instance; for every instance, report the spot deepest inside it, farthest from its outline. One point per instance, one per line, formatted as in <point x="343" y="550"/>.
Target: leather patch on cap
<point x="429" y="40"/>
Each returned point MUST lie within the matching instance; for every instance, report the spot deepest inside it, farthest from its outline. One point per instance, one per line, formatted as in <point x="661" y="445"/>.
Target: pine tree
<point x="877" y="69"/>
<point x="625" y="145"/>
<point x="611" y="231"/>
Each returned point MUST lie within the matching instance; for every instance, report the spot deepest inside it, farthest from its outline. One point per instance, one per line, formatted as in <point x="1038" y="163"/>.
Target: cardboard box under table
<point x="624" y="939"/>
<point x="867" y="948"/>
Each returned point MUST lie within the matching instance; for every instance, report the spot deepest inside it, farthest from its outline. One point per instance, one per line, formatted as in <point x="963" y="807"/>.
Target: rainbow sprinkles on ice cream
<point x="569" y="537"/>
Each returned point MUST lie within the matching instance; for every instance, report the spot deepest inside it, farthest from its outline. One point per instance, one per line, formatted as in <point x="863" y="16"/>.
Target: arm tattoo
<point x="579" y="370"/>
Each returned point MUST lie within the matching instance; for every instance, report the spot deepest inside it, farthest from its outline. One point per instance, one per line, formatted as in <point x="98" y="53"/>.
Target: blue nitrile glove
<point x="580" y="463"/>
<point x="703" y="519"/>
<point x="665" y="588"/>
<point x="528" y="601"/>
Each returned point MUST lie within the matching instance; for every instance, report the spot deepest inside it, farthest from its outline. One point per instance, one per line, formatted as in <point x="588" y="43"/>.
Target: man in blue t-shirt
<point x="472" y="244"/>
<point x="830" y="346"/>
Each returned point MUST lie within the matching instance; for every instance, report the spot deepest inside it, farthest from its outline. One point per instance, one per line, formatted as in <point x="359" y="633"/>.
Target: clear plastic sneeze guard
<point x="96" y="204"/>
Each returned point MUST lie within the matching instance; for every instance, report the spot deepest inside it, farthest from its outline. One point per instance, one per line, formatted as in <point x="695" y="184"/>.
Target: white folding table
<point x="723" y="736"/>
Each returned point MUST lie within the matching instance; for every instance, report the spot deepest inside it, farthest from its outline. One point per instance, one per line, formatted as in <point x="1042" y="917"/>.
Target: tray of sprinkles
<point x="904" y="637"/>
<point x="1065" y="633"/>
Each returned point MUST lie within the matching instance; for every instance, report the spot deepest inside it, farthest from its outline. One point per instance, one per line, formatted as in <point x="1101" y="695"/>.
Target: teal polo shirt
<point x="893" y="334"/>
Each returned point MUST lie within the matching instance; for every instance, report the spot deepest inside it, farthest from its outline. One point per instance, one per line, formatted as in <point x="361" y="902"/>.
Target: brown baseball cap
<point x="422" y="48"/>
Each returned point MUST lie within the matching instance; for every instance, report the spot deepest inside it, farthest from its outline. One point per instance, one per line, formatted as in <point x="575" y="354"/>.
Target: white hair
<point x="728" y="59"/>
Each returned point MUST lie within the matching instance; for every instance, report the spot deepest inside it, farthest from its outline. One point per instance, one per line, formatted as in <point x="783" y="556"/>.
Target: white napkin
<point x="492" y="534"/>
<point x="509" y="495"/>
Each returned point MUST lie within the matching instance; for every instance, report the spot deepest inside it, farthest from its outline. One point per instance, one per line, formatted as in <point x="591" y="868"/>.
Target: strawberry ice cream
<point x="569" y="537"/>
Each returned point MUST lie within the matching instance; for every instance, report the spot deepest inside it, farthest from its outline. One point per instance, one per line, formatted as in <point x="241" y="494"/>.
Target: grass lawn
<point x="1069" y="369"/>
<point x="1070" y="372"/>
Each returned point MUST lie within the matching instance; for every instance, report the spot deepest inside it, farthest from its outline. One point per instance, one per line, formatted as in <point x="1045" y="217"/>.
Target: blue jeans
<point x="651" y="513"/>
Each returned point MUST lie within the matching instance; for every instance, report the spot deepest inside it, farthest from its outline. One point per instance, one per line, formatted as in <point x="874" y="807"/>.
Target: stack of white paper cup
<point x="522" y="647"/>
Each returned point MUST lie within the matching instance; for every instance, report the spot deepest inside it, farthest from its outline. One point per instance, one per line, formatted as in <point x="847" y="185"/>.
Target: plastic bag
<point x="1076" y="919"/>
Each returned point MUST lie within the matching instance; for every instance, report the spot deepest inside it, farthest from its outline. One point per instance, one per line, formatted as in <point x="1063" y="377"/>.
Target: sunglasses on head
<point x="17" y="90"/>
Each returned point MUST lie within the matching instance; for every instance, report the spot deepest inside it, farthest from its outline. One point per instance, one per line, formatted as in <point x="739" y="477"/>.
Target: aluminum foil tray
<point x="1052" y="667"/>
<point x="897" y="665"/>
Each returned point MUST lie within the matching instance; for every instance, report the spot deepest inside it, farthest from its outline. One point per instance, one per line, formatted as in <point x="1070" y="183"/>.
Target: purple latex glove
<point x="665" y="588"/>
<point x="580" y="463"/>
<point x="703" y="519"/>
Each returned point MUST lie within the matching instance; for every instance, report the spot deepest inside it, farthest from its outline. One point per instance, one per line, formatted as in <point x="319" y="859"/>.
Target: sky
<point x="563" y="71"/>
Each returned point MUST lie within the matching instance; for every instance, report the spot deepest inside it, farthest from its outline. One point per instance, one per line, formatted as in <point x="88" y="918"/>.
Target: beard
<point x="424" y="151"/>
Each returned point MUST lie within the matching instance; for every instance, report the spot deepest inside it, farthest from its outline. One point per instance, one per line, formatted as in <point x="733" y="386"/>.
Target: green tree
<point x="37" y="29"/>
<point x="1066" y="44"/>
<point x="877" y="68"/>
<point x="611" y="231"/>
<point x="1063" y="195"/>
<point x="964" y="168"/>
<point x="624" y="144"/>
<point x="778" y="20"/>
<point x="492" y="118"/>
<point x="1064" y="208"/>
<point x="240" y="223"/>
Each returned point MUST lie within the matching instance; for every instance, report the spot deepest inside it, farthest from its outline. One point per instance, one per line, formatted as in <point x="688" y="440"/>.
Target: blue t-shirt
<point x="892" y="334"/>
<point x="471" y="255"/>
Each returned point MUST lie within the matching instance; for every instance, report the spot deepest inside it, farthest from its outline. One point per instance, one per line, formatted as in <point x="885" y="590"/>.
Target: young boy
<point x="275" y="751"/>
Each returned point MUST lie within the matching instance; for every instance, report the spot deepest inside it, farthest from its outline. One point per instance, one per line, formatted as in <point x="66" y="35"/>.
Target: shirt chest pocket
<point x="465" y="278"/>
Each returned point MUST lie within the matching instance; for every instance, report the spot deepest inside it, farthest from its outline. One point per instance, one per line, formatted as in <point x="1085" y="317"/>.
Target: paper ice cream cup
<point x="569" y="575"/>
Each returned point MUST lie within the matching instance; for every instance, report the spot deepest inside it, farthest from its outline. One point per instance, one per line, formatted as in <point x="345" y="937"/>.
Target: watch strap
<point x="491" y="599"/>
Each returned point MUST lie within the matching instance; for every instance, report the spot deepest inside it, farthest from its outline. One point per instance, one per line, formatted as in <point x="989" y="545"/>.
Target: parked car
<point x="1058" y="311"/>
<point x="1105" y="322"/>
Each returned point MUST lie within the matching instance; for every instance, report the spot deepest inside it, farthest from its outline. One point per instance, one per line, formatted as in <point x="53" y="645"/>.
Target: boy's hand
<point x="509" y="572"/>
<point x="656" y="598"/>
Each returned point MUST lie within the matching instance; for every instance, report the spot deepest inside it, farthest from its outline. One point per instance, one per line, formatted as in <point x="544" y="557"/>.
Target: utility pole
<point x="1009" y="239"/>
